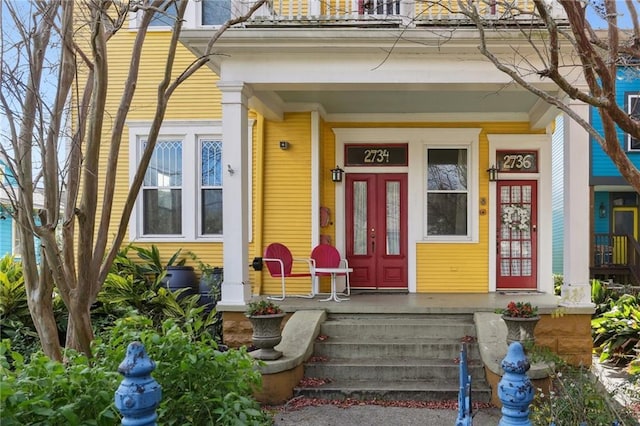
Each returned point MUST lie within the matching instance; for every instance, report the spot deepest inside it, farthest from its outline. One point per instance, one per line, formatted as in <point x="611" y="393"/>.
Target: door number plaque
<point x="517" y="161"/>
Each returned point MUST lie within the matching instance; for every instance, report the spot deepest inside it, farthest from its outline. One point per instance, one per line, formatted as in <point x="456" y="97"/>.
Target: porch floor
<point x="423" y="303"/>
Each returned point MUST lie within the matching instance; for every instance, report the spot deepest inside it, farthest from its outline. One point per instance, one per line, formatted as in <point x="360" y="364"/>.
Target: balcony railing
<point x="619" y="252"/>
<point x="374" y="12"/>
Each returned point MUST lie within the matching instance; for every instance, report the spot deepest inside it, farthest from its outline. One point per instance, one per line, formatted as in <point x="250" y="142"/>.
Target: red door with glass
<point x="517" y="235"/>
<point x="376" y="227"/>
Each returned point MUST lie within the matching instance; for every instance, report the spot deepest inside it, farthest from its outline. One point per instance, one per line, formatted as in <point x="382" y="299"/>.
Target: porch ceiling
<point x="407" y="102"/>
<point x="375" y="74"/>
<point x="411" y="101"/>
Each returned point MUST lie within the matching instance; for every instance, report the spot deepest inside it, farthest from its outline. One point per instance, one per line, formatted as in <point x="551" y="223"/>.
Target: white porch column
<point x="236" y="288"/>
<point x="576" y="290"/>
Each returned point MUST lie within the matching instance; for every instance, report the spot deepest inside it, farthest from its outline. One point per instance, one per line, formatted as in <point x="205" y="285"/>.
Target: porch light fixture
<point x="284" y="145"/>
<point x="336" y="174"/>
<point x="602" y="211"/>
<point x="493" y="173"/>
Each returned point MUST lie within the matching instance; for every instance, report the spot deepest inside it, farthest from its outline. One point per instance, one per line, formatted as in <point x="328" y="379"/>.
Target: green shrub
<point x="558" y="279"/>
<point x="616" y="332"/>
<point x="46" y="392"/>
<point x="200" y="384"/>
<point x="137" y="284"/>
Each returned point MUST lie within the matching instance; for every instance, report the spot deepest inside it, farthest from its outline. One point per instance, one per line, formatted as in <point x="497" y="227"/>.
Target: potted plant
<point x="265" y="317"/>
<point x="521" y="319"/>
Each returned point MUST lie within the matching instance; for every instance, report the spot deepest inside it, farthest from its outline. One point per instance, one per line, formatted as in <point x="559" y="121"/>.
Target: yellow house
<point x="377" y="127"/>
<point x="445" y="163"/>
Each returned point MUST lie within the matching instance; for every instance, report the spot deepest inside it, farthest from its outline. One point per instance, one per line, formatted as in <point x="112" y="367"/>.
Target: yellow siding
<point x="200" y="88"/>
<point x="287" y="194"/>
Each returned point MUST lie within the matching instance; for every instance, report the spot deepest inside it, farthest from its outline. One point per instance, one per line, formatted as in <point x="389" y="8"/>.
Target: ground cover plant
<point x="575" y="398"/>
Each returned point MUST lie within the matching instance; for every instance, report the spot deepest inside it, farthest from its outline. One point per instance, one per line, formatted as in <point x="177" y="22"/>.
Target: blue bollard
<point x="139" y="394"/>
<point x="464" y="393"/>
<point x="515" y="389"/>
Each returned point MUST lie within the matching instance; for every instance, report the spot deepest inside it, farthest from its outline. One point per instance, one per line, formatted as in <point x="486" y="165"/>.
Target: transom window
<point x="633" y="108"/>
<point x="447" y="197"/>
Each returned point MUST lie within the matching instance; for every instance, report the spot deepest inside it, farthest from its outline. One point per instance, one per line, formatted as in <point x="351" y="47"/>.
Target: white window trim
<point x="191" y="133"/>
<point x="472" y="220"/>
<point x="628" y="98"/>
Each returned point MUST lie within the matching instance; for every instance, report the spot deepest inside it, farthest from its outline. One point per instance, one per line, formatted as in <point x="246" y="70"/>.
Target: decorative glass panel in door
<point x="517" y="235"/>
<point x="376" y="230"/>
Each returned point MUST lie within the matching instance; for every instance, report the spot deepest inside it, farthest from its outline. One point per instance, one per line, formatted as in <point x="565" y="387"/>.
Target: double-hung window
<point x="181" y="193"/>
<point x="447" y="193"/>
<point x="211" y="187"/>
<point x="633" y="109"/>
<point x="162" y="190"/>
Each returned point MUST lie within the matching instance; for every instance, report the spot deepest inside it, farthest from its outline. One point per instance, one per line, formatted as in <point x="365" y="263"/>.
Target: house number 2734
<point x="376" y="155"/>
<point x="518" y="161"/>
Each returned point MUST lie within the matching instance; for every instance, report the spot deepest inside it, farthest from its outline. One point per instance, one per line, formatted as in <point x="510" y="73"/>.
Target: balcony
<point x="368" y="13"/>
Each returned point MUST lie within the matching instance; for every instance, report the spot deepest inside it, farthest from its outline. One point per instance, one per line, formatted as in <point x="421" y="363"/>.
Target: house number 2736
<point x="376" y="155"/>
<point x="518" y="161"/>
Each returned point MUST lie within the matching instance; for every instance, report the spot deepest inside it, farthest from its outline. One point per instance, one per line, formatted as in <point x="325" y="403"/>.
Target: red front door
<point x="376" y="225"/>
<point x="517" y="235"/>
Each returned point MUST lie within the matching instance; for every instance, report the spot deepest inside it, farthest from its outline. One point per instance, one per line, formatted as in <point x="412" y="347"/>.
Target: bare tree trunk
<point x="39" y="297"/>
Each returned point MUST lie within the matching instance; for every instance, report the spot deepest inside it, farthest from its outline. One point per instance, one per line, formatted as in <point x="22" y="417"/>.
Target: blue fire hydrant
<point x="139" y="394"/>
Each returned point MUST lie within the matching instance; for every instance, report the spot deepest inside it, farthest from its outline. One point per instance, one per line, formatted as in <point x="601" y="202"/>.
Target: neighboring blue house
<point x="9" y="241"/>
<point x="615" y="202"/>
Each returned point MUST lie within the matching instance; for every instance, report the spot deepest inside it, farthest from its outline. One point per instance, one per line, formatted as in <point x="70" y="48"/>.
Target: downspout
<point x="259" y="198"/>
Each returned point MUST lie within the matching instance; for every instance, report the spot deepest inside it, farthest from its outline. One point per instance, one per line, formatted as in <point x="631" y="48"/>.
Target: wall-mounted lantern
<point x="602" y="211"/>
<point x="493" y="173"/>
<point x="336" y="174"/>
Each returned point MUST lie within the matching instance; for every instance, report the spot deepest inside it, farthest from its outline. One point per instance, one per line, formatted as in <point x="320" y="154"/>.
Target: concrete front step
<point x="381" y="369"/>
<point x="392" y="357"/>
<point x="366" y="327"/>
<point x="393" y="348"/>
<point x="405" y="390"/>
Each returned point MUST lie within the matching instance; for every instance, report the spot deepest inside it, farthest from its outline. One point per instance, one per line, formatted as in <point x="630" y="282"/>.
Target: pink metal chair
<point x="279" y="262"/>
<point x="327" y="256"/>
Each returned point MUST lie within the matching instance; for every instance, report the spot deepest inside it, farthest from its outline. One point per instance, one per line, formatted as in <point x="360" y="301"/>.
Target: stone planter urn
<point x="521" y="330"/>
<point x="266" y="335"/>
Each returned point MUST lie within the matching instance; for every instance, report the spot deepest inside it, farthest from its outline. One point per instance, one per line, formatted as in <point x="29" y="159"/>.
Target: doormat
<point x="520" y="292"/>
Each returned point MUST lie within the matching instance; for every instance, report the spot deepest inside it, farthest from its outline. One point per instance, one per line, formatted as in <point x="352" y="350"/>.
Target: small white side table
<point x="334" y="272"/>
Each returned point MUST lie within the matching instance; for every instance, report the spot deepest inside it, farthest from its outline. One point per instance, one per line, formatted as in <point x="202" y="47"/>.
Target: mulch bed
<point x="298" y="403"/>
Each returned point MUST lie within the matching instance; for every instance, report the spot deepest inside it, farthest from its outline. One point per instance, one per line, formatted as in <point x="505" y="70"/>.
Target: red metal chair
<point x="279" y="262"/>
<point x="326" y="256"/>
